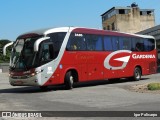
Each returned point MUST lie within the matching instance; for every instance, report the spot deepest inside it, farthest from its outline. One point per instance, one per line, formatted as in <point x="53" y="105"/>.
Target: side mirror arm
<point x="37" y="43"/>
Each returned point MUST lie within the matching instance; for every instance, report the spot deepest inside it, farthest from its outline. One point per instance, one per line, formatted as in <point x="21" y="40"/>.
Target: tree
<point x="7" y="57"/>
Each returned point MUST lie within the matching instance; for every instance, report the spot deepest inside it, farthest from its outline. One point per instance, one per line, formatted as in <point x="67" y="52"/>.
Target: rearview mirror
<point x="37" y="43"/>
<point x="5" y="47"/>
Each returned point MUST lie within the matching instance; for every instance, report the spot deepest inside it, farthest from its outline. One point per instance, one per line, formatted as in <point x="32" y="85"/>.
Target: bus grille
<point x="20" y="77"/>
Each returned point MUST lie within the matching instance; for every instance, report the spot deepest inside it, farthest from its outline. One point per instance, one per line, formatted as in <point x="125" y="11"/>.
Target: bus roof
<point x="108" y="32"/>
<point x="46" y="31"/>
<point x="84" y="30"/>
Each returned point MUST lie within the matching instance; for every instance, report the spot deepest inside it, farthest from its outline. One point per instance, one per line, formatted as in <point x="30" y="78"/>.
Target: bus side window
<point x="149" y="44"/>
<point x="124" y="43"/>
<point x="76" y="43"/>
<point x="137" y="44"/>
<point x="98" y="43"/>
<point x="94" y="43"/>
<point x="107" y="43"/>
<point x="47" y="53"/>
<point x="115" y="43"/>
<point x="89" y="40"/>
<point x="71" y="45"/>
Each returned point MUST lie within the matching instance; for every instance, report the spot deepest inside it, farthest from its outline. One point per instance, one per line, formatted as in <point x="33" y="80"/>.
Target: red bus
<point x="70" y="54"/>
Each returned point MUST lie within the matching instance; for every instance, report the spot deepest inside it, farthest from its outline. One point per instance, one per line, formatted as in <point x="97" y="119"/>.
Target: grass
<point x="153" y="86"/>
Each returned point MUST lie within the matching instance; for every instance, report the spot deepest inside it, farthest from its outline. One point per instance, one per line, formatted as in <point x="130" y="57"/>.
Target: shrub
<point x="153" y="86"/>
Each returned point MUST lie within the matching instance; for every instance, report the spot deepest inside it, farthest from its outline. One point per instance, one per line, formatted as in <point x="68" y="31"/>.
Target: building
<point x="128" y="19"/>
<point x="154" y="31"/>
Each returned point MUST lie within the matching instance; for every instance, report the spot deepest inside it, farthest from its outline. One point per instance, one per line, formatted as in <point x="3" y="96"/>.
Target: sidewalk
<point x="4" y="67"/>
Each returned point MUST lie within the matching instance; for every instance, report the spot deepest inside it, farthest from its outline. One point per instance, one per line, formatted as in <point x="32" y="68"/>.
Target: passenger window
<point x="149" y="44"/>
<point x="107" y="43"/>
<point x="76" y="43"/>
<point x="94" y="42"/>
<point x="137" y="44"/>
<point x="98" y="44"/>
<point x="115" y="43"/>
<point x="124" y="43"/>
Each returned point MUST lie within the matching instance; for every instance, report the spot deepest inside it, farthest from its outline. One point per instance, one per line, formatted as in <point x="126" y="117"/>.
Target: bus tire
<point x="44" y="88"/>
<point x="69" y="80"/>
<point x="137" y="74"/>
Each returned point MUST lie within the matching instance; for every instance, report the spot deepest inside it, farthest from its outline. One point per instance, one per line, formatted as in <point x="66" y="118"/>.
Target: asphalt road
<point x="96" y="96"/>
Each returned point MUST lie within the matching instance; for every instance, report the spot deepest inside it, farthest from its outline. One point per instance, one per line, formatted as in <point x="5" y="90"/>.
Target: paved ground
<point x="97" y="96"/>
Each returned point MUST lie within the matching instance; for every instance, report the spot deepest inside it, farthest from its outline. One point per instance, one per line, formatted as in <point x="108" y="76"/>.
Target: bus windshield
<point x="23" y="56"/>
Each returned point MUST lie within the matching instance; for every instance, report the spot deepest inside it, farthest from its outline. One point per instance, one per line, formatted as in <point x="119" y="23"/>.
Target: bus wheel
<point x="69" y="79"/>
<point x="44" y="88"/>
<point x="137" y="74"/>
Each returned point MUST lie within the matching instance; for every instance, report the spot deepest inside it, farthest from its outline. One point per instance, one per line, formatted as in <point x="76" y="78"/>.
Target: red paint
<point x="90" y="64"/>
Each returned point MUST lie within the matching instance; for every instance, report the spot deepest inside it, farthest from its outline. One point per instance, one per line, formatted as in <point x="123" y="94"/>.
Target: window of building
<point x="103" y="18"/>
<point x="127" y="11"/>
<point x="113" y="26"/>
<point x="143" y="12"/>
<point x="121" y="11"/>
<point x="113" y="12"/>
<point x="150" y="12"/>
<point x="104" y="28"/>
<point x="108" y="27"/>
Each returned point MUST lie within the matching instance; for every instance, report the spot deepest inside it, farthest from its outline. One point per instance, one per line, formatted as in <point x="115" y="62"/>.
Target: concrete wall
<point x="132" y="22"/>
<point x="129" y="22"/>
<point x="4" y="67"/>
<point x="109" y="22"/>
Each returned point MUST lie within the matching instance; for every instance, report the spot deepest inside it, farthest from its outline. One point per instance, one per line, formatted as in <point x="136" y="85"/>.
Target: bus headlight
<point x="10" y="74"/>
<point x="33" y="74"/>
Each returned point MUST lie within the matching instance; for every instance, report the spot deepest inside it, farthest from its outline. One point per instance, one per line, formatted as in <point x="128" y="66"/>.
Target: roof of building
<point x="150" y="30"/>
<point x="147" y="10"/>
<point x="128" y="7"/>
<point x="115" y="8"/>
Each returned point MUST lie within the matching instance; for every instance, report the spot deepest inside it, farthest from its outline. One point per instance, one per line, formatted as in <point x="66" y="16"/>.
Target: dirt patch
<point x="143" y="89"/>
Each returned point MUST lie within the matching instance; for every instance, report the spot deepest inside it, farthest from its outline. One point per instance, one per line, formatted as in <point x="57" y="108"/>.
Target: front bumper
<point x="23" y="81"/>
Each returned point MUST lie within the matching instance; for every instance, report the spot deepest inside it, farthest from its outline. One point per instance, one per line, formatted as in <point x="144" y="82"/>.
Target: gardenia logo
<point x="135" y="56"/>
<point x="124" y="59"/>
